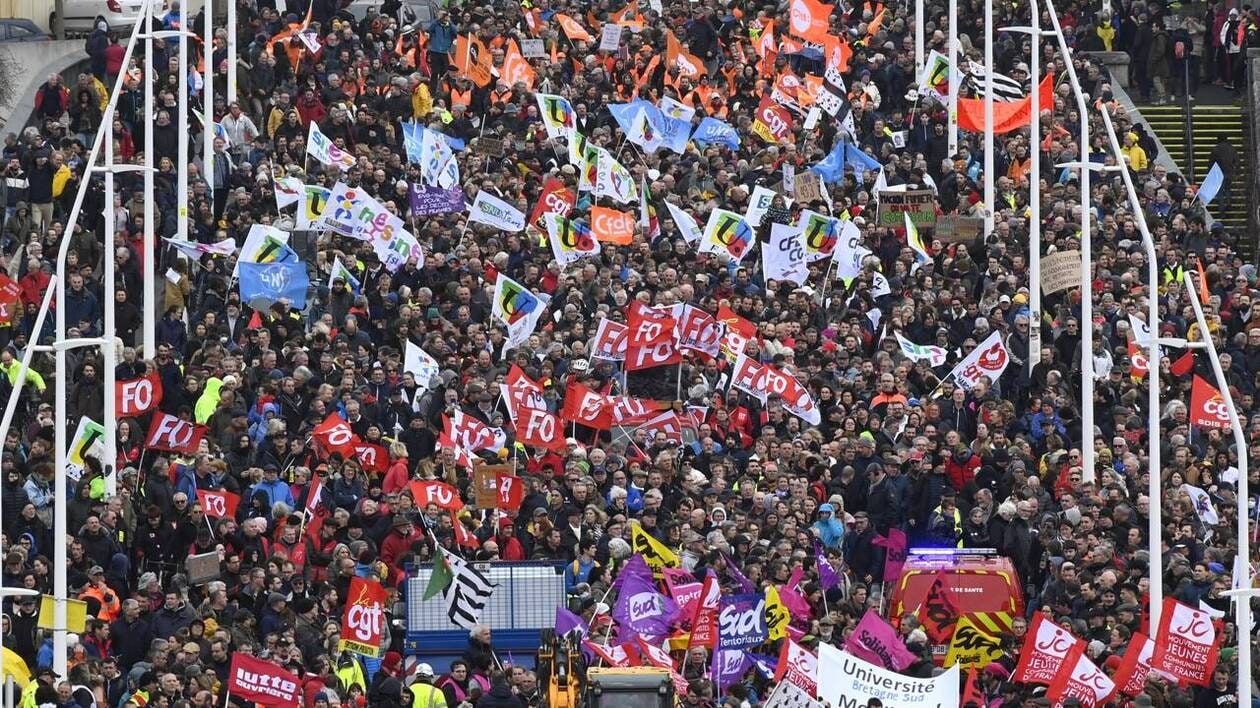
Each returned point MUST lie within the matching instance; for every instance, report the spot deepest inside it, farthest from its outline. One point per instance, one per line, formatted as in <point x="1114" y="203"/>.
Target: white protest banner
<point x="845" y="681"/>
<point x="419" y="364"/>
<point x="492" y="211"/>
<point x="610" y="40"/>
<point x="533" y="49"/>
<point x="784" y="257"/>
<point x="1060" y="270"/>
<point x="758" y="203"/>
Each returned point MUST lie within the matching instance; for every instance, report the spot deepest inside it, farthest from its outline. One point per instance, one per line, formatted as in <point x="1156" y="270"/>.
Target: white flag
<point x="849" y="252"/>
<point x="879" y="285"/>
<point x="784" y="257"/>
<point x="613" y="180"/>
<point x="490" y="210"/>
<point x="321" y="148"/>
<point x="289" y="191"/>
<point x="418" y="363"/>
<point x="439" y="167"/>
<point x="1202" y="504"/>
<point x="986" y="361"/>
<point x="674" y="109"/>
<point x="935" y="356"/>
<point x="687" y="225"/>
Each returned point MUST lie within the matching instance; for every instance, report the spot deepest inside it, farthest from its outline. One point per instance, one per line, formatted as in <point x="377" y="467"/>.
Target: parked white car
<point x="120" y="14"/>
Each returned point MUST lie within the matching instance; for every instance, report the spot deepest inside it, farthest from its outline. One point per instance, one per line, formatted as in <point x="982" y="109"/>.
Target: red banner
<point x="704" y="625"/>
<point x="433" y="492"/>
<point x="1046" y="645"/>
<point x="1187" y="643"/>
<point x="217" y="505"/>
<point x="586" y="407"/>
<point x="363" y="622"/>
<point x="138" y="396"/>
<point x="1207" y="407"/>
<point x="172" y="434"/>
<point x="262" y="682"/>
<point x="335" y="435"/>
<point x="511" y="492"/>
<point x="1081" y="679"/>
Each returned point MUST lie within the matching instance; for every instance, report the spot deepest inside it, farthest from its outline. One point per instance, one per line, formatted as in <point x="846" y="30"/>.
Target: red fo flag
<point x="441" y="494"/>
<point x="584" y="406"/>
<point x="218" y="504"/>
<point x="698" y="331"/>
<point x="1136" y="665"/>
<point x="1046" y="645"/>
<point x="648" y="325"/>
<point x="539" y="428"/>
<point x="1082" y="680"/>
<point x="1187" y="643"/>
<point x="470" y="433"/>
<point x="610" y="341"/>
<point x="372" y="457"/>
<point x="1207" y="407"/>
<point x="662" y="353"/>
<point x="363" y="622"/>
<point x="262" y="682"/>
<point x="335" y="435"/>
<point x="138" y="396"/>
<point x="172" y="434"/>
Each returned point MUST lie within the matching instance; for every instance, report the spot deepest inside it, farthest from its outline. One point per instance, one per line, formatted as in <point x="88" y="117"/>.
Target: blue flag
<point x="714" y="131"/>
<point x="266" y="283"/>
<point x="1211" y="184"/>
<point x="413" y="138"/>
<point x="624" y="113"/>
<point x="859" y="161"/>
<point x="670" y="132"/>
<point x="831" y="168"/>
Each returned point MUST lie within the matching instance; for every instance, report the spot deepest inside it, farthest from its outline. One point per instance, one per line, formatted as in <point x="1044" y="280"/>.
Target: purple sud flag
<point x="729" y="666"/>
<point x="745" y="585"/>
<point x="567" y="622"/>
<point x="640" y="609"/>
<point x="742" y="621"/>
<point x="767" y="665"/>
<point x="827" y="575"/>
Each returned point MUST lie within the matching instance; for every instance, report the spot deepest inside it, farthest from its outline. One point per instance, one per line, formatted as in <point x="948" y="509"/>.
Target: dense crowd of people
<point x="898" y="446"/>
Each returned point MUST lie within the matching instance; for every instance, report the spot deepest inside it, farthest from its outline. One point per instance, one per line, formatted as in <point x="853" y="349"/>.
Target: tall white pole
<point x="231" y="51"/>
<point x="1034" y="190"/>
<point x="149" y="298"/>
<point x="1242" y="602"/>
<point x="1155" y="523"/>
<point x="990" y="195"/>
<point x="919" y="22"/>
<point x="109" y="352"/>
<point x="952" y="53"/>
<point x="1087" y="295"/>
<point x="182" y="179"/>
<point x="61" y="560"/>
<point x="207" y="97"/>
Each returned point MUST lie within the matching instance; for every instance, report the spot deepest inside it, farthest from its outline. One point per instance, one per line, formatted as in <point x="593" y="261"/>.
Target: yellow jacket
<point x="60" y="179"/>
<point x="421" y="102"/>
<point x="11" y="369"/>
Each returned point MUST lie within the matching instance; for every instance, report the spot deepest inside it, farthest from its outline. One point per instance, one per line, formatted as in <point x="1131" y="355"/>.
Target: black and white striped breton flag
<point x="467" y="594"/>
<point x="1004" y="87"/>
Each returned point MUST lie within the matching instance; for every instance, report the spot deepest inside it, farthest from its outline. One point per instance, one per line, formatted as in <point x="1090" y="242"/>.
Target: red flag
<point x="172" y="434"/>
<point x="219" y="504"/>
<point x="470" y="433"/>
<point x="335" y="435"/>
<point x="628" y="410"/>
<point x="1007" y="115"/>
<point x="1187" y="643"/>
<point x="1046" y="645"/>
<point x="669" y="423"/>
<point x="699" y="331"/>
<point x="809" y="19"/>
<point x="773" y="123"/>
<point x="10" y="294"/>
<point x="441" y="494"/>
<point x="1135" y="666"/>
<point x="137" y="396"/>
<point x="1138" y="366"/>
<point x="314" y="510"/>
<point x="653" y="655"/>
<point x="610" y="341"/>
<point x="363" y="622"/>
<point x="651" y="356"/>
<point x="1207" y="407"/>
<point x="939" y="611"/>
<point x="372" y="457"/>
<point x="971" y="696"/>
<point x="1183" y="365"/>
<point x="739" y="331"/>
<point x="621" y="655"/>
<point x="1081" y="679"/>
<point x="463" y="536"/>
<point x="648" y="325"/>
<point x="554" y="199"/>
<point x="799" y="666"/>
<point x="511" y="492"/>
<point x="262" y="682"/>
<point x="1204" y="294"/>
<point x="539" y="428"/>
<point x="586" y="407"/>
<point x="521" y="390"/>
<point x="704" y="624"/>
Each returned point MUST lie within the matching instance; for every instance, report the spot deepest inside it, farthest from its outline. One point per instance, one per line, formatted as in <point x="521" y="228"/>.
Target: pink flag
<point x="895" y="546"/>
<point x="875" y="640"/>
<point x="791" y="597"/>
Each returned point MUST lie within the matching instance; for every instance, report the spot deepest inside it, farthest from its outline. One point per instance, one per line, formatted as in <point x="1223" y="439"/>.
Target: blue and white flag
<point x="265" y="283"/>
<point x="1211" y="184"/>
<point x="714" y="131"/>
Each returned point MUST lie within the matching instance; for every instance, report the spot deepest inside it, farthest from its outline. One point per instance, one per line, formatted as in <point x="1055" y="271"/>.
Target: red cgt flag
<point x="554" y="199"/>
<point x="1207" y="406"/>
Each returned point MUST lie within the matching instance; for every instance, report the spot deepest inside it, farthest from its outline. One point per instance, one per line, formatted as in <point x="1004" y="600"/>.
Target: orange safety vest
<point x="461" y="98"/>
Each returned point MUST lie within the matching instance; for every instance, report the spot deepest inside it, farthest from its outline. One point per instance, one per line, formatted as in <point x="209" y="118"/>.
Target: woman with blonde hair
<point x="399" y="473"/>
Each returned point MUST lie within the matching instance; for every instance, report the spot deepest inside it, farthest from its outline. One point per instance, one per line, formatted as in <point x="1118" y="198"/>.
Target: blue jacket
<point x="441" y="37"/>
<point x="277" y="491"/>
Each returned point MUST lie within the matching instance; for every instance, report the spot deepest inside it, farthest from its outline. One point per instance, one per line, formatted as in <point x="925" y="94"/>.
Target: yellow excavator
<point x="570" y="683"/>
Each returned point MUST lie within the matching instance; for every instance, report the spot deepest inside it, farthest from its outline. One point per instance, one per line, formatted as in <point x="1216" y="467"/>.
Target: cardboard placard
<point x="486" y="484"/>
<point x="808" y="187"/>
<point x="489" y="146"/>
<point x="202" y="568"/>
<point x="958" y="229"/>
<point x="533" y="49"/>
<point x="920" y="204"/>
<point x="1060" y="271"/>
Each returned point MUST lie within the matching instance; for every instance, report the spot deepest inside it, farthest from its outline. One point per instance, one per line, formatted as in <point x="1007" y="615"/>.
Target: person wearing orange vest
<point x="97" y="589"/>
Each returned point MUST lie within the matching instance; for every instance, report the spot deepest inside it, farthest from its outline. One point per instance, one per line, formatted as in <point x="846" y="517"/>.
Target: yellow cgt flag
<point x="656" y="554"/>
<point x="972" y="645"/>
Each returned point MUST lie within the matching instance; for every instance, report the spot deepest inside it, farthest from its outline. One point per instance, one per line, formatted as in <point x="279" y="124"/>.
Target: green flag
<point x="441" y="576"/>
